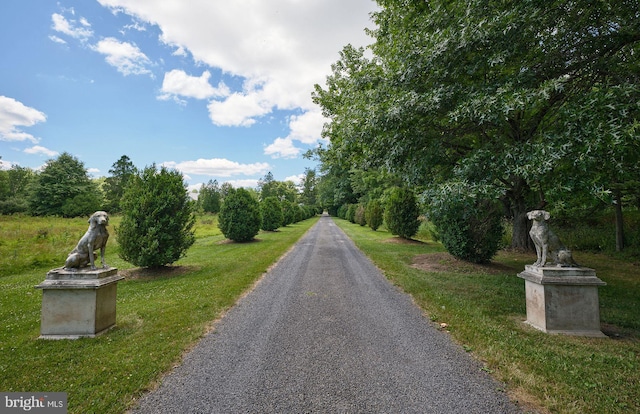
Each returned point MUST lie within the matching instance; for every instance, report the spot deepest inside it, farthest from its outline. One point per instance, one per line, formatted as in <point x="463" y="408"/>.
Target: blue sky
<point x="217" y="89"/>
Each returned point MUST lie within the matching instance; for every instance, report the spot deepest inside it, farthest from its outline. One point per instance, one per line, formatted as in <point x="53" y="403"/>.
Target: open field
<point x="159" y="316"/>
<point x="484" y="308"/>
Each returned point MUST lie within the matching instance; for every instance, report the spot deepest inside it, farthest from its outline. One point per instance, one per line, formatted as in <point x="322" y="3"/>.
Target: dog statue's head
<point x="538" y="215"/>
<point x="99" y="218"/>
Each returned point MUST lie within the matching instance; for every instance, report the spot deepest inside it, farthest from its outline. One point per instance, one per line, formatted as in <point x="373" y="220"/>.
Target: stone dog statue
<point x="95" y="238"/>
<point x="548" y="246"/>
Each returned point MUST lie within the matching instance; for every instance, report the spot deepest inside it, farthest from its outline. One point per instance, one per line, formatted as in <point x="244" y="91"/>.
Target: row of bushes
<point x="242" y="216"/>
<point x="158" y="217"/>
<point x="466" y="221"/>
<point x="399" y="211"/>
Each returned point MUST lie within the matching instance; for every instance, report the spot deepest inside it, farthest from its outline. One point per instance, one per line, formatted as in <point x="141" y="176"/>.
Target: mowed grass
<point x="159" y="315"/>
<point x="484" y="309"/>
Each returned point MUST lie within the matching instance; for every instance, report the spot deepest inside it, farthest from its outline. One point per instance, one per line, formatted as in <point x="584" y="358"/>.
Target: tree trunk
<point x="619" y="221"/>
<point x="517" y="195"/>
<point x="520" y="238"/>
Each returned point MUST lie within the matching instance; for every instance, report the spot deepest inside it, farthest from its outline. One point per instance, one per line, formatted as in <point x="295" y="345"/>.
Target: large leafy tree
<point x="63" y="188"/>
<point x="270" y="187"/>
<point x="475" y="89"/>
<point x="157" y="218"/>
<point x="209" y="197"/>
<point x="606" y="122"/>
<point x="309" y="193"/>
<point x="121" y="172"/>
<point x="267" y="186"/>
<point x="14" y="184"/>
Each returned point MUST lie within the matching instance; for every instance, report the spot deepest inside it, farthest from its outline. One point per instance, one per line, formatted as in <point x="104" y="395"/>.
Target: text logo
<point x="33" y="402"/>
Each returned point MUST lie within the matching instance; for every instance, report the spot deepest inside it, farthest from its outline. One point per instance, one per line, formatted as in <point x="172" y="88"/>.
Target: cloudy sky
<point x="217" y="89"/>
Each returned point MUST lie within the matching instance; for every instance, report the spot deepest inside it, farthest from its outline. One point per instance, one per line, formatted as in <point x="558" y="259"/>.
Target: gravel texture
<point x="325" y="332"/>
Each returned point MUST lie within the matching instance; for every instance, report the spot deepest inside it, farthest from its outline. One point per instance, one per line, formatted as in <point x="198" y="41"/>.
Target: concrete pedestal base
<point x="80" y="303"/>
<point x="563" y="300"/>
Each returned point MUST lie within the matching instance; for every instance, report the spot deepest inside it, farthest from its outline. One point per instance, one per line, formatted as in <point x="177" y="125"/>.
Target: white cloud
<point x="282" y="148"/>
<point x="180" y="52"/>
<point x="218" y="167"/>
<point x="93" y="171"/>
<point x="13" y="115"/>
<point x="280" y="47"/>
<point x="178" y="83"/>
<point x="243" y="183"/>
<point x="56" y="39"/>
<point x="136" y="26"/>
<point x="125" y="57"/>
<point x="307" y="128"/>
<point x="238" y="110"/>
<point x="296" y="179"/>
<point x="6" y="165"/>
<point x="37" y="149"/>
<point x="69" y="27"/>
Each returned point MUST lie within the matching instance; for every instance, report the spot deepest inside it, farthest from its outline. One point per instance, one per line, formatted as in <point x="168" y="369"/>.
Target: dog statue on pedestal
<point x="548" y="245"/>
<point x="95" y="238"/>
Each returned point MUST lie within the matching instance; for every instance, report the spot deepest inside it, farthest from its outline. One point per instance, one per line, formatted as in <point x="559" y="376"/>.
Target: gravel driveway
<point x="325" y="332"/>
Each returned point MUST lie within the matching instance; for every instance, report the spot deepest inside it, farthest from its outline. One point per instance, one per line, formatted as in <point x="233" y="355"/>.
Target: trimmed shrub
<point x="272" y="216"/>
<point x="360" y="215"/>
<point x="401" y="213"/>
<point x="239" y="218"/>
<point x="468" y="220"/>
<point x="351" y="213"/>
<point x="342" y="211"/>
<point x="290" y="212"/>
<point x="374" y="214"/>
<point x="157" y="219"/>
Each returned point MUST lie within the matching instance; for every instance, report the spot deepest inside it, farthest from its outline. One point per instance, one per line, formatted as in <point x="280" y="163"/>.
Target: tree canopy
<point x="114" y="186"/>
<point x="63" y="188"/>
<point x="491" y="92"/>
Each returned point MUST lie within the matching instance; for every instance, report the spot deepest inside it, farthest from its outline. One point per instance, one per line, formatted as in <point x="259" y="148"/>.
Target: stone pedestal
<point x="78" y="303"/>
<point x="563" y="300"/>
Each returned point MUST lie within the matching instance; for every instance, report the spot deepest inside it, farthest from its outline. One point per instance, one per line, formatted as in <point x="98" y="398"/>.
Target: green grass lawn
<point x="484" y="309"/>
<point x="159" y="316"/>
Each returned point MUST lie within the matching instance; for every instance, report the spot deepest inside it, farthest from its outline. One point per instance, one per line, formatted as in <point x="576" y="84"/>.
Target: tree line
<point x="487" y="110"/>
<point x="64" y="188"/>
<point x="158" y="214"/>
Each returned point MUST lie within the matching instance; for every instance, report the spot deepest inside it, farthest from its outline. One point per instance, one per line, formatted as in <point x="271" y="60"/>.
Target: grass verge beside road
<point x="484" y="309"/>
<point x="159" y="316"/>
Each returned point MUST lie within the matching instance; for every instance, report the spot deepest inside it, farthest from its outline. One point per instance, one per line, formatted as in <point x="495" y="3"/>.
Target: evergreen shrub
<point x="290" y="212"/>
<point x="239" y="218"/>
<point x="360" y="215"/>
<point x="342" y="211"/>
<point x="468" y="221"/>
<point x="157" y="219"/>
<point x="401" y="213"/>
<point x="351" y="213"/>
<point x="374" y="214"/>
<point x="271" y="211"/>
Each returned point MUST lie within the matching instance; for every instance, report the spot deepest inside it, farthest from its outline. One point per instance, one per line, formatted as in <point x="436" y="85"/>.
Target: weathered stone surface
<point x="563" y="300"/>
<point x="79" y="303"/>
